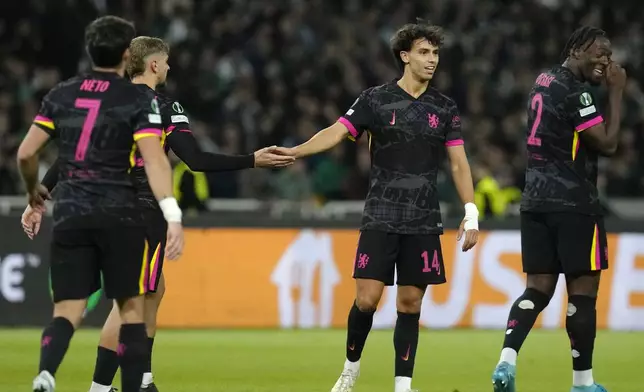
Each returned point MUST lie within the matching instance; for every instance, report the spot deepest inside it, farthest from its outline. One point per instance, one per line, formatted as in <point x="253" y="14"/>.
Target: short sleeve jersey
<point x="174" y="119"/>
<point x="407" y="141"/>
<point x="95" y="120"/>
<point x="561" y="173"/>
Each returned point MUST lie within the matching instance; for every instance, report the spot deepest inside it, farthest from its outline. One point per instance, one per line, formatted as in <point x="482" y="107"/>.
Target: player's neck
<point x="119" y="71"/>
<point x="412" y="86"/>
<point x="150" y="81"/>
<point x="573" y="69"/>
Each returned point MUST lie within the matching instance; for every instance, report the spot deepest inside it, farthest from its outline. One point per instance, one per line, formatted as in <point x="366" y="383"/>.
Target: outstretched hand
<point x="274" y="156"/>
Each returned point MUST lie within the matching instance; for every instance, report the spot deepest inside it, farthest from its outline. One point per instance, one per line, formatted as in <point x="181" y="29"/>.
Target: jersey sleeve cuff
<point x="45" y="123"/>
<point x="590" y="123"/>
<point x="454" y="143"/>
<point x="147" y="132"/>
<point x="352" y="130"/>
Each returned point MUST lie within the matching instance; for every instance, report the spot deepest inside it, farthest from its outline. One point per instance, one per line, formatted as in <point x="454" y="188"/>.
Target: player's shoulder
<point x="563" y="78"/>
<point x="170" y="104"/>
<point x="439" y="98"/>
<point x="64" y="88"/>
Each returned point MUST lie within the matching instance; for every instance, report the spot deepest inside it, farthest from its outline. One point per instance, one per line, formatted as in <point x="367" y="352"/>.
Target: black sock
<point x="54" y="344"/>
<point x="581" y="324"/>
<point x="132" y="354"/>
<point x="358" y="328"/>
<point x="107" y="363"/>
<point x="523" y="314"/>
<point x="148" y="368"/>
<point x="405" y="343"/>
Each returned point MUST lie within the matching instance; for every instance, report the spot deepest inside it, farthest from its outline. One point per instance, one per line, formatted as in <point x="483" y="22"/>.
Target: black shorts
<point x="156" y="229"/>
<point x="563" y="242"/>
<point x="79" y="256"/>
<point x="416" y="258"/>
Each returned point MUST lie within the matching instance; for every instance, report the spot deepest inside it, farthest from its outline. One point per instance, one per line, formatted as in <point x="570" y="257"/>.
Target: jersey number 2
<point x="92" y="106"/>
<point x="537" y="104"/>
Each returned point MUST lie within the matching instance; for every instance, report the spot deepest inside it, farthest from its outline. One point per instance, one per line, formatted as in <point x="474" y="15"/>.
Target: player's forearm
<point x="321" y="141"/>
<point x="159" y="175"/>
<point x="50" y="179"/>
<point x="462" y="177"/>
<point x="28" y="166"/>
<point x="207" y="162"/>
<point x="613" y="121"/>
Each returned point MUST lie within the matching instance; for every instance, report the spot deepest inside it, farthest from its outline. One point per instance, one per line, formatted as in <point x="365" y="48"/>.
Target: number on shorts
<point x="435" y="264"/>
<point x="92" y="106"/>
<point x="537" y="104"/>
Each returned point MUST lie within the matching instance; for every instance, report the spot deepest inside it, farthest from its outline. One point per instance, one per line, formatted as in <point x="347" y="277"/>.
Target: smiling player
<point x="562" y="228"/>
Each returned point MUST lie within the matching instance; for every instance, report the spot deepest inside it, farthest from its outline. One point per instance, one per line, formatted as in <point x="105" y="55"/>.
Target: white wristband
<point x="471" y="217"/>
<point x="171" y="211"/>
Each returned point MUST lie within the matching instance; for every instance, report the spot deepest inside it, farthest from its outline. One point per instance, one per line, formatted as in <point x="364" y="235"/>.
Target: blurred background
<point x="258" y="73"/>
<point x="275" y="252"/>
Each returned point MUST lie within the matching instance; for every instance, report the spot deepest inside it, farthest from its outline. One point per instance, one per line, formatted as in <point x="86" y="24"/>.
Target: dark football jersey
<point x="407" y="139"/>
<point x="173" y="119"/>
<point x="95" y="120"/>
<point x="561" y="173"/>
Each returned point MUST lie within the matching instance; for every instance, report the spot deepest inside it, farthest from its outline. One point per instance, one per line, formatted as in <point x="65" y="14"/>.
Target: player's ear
<point x="404" y="56"/>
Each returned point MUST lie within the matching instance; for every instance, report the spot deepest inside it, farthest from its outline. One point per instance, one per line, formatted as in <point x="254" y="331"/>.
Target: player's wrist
<point x="471" y="217"/>
<point x="171" y="210"/>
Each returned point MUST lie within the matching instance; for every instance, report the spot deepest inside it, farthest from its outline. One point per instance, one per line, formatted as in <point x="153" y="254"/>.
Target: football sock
<point x="148" y="368"/>
<point x="132" y="353"/>
<point x="147" y="376"/>
<point x="359" y="326"/>
<point x="523" y="314"/>
<point x="107" y="363"/>
<point x="54" y="344"/>
<point x="581" y="324"/>
<point x="100" y="388"/>
<point x="402" y="384"/>
<point x="405" y="344"/>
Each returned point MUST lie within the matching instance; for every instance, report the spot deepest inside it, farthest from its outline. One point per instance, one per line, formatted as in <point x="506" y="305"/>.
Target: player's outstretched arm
<point x="604" y="136"/>
<point x="27" y="158"/>
<point x="462" y="176"/>
<point x="321" y="141"/>
<point x="184" y="144"/>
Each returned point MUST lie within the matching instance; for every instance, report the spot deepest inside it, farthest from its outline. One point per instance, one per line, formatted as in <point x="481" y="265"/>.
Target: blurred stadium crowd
<point x="252" y="73"/>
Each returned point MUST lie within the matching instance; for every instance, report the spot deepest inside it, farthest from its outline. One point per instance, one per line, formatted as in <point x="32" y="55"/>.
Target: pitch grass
<point x="310" y="361"/>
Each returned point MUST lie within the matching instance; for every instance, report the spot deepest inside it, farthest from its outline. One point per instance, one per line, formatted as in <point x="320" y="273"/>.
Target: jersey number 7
<point x="92" y="106"/>
<point x="537" y="104"/>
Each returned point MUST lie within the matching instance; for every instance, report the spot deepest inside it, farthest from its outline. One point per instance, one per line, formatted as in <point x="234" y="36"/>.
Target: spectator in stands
<point x="258" y="73"/>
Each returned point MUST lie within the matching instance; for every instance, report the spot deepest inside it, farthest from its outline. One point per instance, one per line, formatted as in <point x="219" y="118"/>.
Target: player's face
<point x="595" y="60"/>
<point x="422" y="58"/>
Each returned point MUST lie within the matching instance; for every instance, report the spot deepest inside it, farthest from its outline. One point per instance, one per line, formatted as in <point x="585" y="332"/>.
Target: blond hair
<point x="142" y="47"/>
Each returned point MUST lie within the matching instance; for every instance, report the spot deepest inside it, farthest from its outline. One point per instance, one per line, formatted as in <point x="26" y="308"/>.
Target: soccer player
<point x="562" y="229"/>
<point x="409" y="125"/>
<point x="148" y="68"/>
<point x="98" y="229"/>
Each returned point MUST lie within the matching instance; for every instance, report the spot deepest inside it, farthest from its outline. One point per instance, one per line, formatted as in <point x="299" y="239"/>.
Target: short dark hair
<point x="404" y="38"/>
<point x="142" y="47"/>
<point x="583" y="37"/>
<point x="107" y="38"/>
